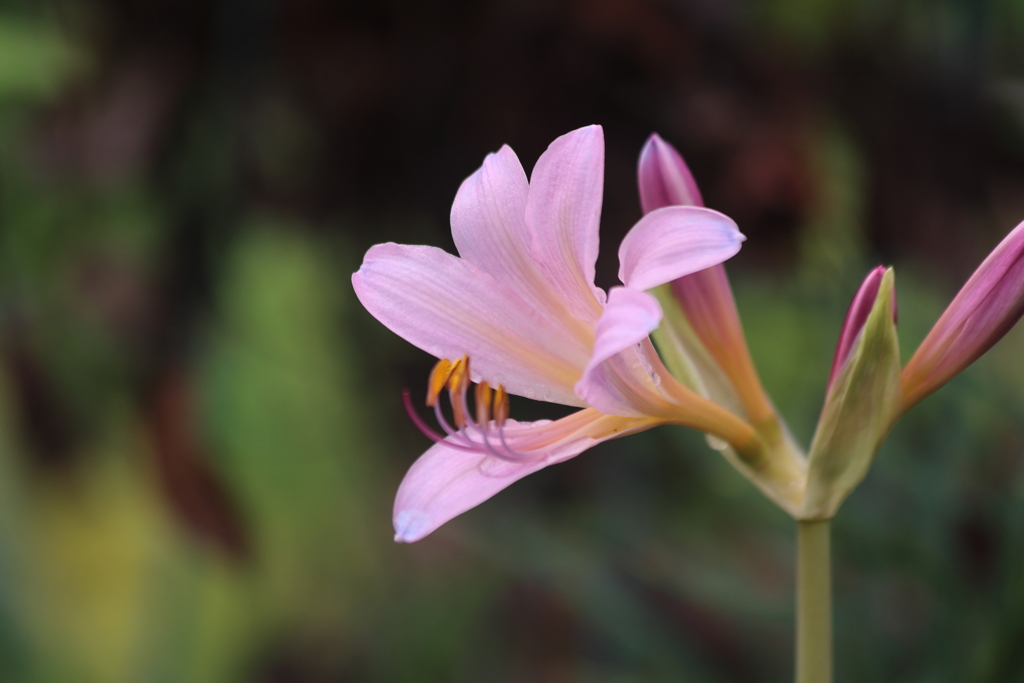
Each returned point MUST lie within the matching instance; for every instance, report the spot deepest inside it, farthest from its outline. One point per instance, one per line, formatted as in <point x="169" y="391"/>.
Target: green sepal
<point x="860" y="408"/>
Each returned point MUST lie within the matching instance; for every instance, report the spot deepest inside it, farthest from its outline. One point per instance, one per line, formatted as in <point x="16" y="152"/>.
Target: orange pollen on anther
<point x="459" y="377"/>
<point x="453" y="375"/>
<point x="500" y="403"/>
<point x="483" y="403"/>
<point x="485" y="433"/>
<point x="457" y="385"/>
<point x="438" y="380"/>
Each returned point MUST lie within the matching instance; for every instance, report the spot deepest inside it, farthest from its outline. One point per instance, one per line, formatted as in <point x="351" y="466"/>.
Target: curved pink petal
<point x="489" y="228"/>
<point x="617" y="380"/>
<point x="664" y="178"/>
<point x="445" y="481"/>
<point x="563" y="212"/>
<point x="669" y="243"/>
<point x="448" y="307"/>
<point x="629" y="317"/>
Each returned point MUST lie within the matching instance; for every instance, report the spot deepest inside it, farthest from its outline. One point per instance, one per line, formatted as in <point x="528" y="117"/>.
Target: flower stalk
<point x="813" y="602"/>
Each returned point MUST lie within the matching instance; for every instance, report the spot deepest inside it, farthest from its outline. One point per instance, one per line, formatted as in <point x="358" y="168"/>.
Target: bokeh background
<point x="201" y="430"/>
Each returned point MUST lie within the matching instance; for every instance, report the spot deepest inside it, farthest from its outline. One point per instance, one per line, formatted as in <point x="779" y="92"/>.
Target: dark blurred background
<point x="201" y="431"/>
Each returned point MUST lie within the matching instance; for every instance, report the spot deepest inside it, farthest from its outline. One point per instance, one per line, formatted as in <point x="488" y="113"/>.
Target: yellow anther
<point x="458" y="382"/>
<point x="438" y="379"/>
<point x="500" y="405"/>
<point x="459" y="414"/>
<point x="459" y="378"/>
<point x="483" y="403"/>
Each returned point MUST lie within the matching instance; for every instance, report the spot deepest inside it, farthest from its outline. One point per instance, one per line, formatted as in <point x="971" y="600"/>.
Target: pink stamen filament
<point x="482" y="430"/>
<point x="425" y="429"/>
<point x="462" y="439"/>
<point x="485" y="436"/>
<point x="458" y="434"/>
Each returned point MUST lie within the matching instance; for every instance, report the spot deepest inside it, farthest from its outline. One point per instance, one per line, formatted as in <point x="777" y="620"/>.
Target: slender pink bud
<point x="986" y="308"/>
<point x="862" y="402"/>
<point x="705" y="296"/>
<point x="860" y="308"/>
<point x="665" y="179"/>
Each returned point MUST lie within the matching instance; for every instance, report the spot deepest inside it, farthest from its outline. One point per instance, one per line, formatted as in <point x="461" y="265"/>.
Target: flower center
<point x="481" y="430"/>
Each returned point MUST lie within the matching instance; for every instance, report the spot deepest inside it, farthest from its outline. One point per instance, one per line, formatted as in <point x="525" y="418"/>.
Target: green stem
<point x="813" y="603"/>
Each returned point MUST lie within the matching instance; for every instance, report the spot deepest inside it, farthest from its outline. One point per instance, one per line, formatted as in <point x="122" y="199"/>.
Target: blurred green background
<point x="201" y="430"/>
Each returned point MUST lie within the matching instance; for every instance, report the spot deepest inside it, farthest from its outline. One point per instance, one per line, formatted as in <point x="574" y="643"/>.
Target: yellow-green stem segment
<point x="813" y="603"/>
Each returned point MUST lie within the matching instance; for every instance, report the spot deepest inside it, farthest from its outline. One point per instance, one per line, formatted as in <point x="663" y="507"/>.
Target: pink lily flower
<point x="518" y="313"/>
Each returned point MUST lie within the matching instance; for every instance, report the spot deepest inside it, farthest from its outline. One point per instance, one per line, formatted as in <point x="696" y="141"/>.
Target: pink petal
<point x="489" y="218"/>
<point x="988" y="305"/>
<point x="617" y="380"/>
<point x="669" y="243"/>
<point x="445" y="482"/>
<point x="629" y="317"/>
<point x="449" y="307"/>
<point x="563" y="212"/>
<point x="856" y="316"/>
<point x="664" y="178"/>
<point x="489" y="228"/>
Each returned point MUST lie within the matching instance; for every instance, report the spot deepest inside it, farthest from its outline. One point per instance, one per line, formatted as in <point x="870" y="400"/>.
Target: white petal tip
<point x="411" y="526"/>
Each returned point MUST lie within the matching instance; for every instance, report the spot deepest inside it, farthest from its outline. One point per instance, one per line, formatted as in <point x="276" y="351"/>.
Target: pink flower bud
<point x="983" y="311"/>
<point x="705" y="296"/>
<point x="860" y="308"/>
<point x="665" y="179"/>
